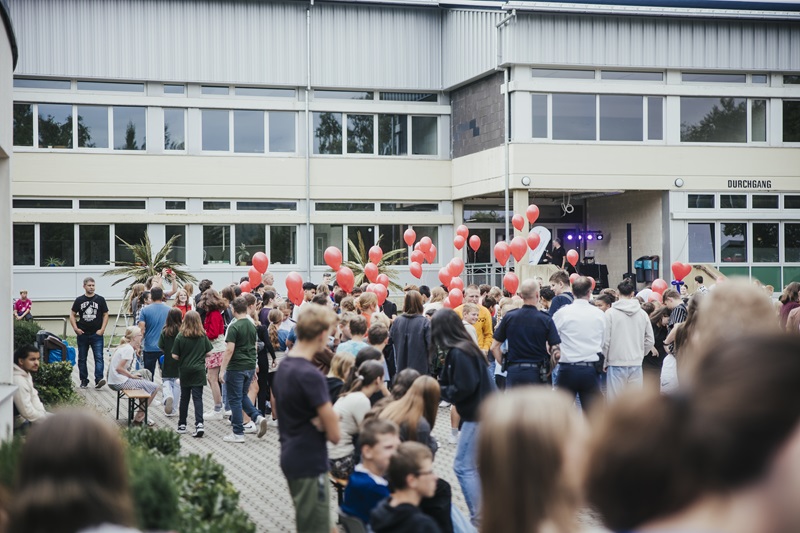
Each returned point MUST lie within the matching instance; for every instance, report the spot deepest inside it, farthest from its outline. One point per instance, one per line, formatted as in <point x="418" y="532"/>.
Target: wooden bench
<point x="137" y="399"/>
<point x="339" y="485"/>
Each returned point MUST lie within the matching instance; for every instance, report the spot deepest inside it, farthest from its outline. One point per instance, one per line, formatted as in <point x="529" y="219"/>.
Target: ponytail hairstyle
<point x="367" y="373"/>
<point x="364" y="354"/>
<point x="275" y="318"/>
<point x="130" y="331"/>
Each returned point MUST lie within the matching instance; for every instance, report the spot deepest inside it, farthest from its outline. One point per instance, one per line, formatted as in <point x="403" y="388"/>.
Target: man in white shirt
<point x="581" y="327"/>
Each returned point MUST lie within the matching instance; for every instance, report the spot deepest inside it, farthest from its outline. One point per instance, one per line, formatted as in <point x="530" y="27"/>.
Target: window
<point x="791" y="243"/>
<point x="130" y="128"/>
<point x="92" y="126"/>
<point x="23" y="125"/>
<point x="175" y="205"/>
<point x="266" y="206"/>
<point x="574" y="117"/>
<point x="264" y="92"/>
<point x="631" y="76"/>
<point x="250" y="238"/>
<point x="655" y="118"/>
<point x="110" y="86"/>
<point x="112" y="204"/>
<point x="24" y="246"/>
<point x="758" y="127"/>
<point x="791" y="79"/>
<point x="733" y="201"/>
<point x="361" y="234"/>
<point x="283" y="245"/>
<point x="282" y="135"/>
<point x="327" y="133"/>
<point x="765" y="242"/>
<point x="326" y="235"/>
<point x="563" y="73"/>
<point x="733" y="242"/>
<point x="214" y="89"/>
<point x="360" y="134"/>
<point x="539" y="106"/>
<point x="336" y="206"/>
<point x="705" y="77"/>
<point x="409" y="97"/>
<point x="713" y="119"/>
<point x="424" y="133"/>
<point x="391" y="238"/>
<point x="55" y="126"/>
<point x="174" y="89"/>
<point x="216" y="245"/>
<point x="621" y="118"/>
<point x="38" y="203"/>
<point x="345" y="95"/>
<point x="56" y="245"/>
<point x="130" y="233"/>
<point x="419" y="208"/>
<point x="216" y="130"/>
<point x="174" y="129"/>
<point x="765" y="201"/>
<point x="216" y="206"/>
<point x="29" y="83"/>
<point x="429" y="231"/>
<point x="759" y="78"/>
<point x="701" y="201"/>
<point x="791" y="121"/>
<point x="248" y="132"/>
<point x="392" y="134"/>
<point x="178" y="252"/>
<point x="791" y="201"/>
<point x="93" y="245"/>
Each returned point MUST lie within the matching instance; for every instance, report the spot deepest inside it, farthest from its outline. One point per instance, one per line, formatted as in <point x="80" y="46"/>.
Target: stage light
<point x="580" y="236"/>
<point x="570" y="236"/>
<point x="589" y="237"/>
<point x="599" y="236"/>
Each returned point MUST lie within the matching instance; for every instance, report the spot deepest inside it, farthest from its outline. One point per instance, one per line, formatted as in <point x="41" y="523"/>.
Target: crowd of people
<point x="668" y="412"/>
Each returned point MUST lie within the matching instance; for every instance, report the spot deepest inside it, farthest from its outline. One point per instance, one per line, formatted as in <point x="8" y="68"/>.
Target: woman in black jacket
<point x="411" y="336"/>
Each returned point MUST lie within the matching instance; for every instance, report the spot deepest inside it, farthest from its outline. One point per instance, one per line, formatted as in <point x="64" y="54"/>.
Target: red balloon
<point x="416" y="269"/>
<point x="445" y="276"/>
<point x="417" y="256"/>
<point x="333" y="257"/>
<point x="572" y="257"/>
<point x="255" y="277"/>
<point x="430" y="255"/>
<point x="654" y="297"/>
<point x="659" y="286"/>
<point x="573" y="277"/>
<point x="533" y="240"/>
<point x="245" y="286"/>
<point x="294" y="283"/>
<point x="594" y="283"/>
<point x="459" y="242"/>
<point x="410" y="236"/>
<point x="381" y="292"/>
<point x="425" y="244"/>
<point x="532" y="213"/>
<point x="456" y="266"/>
<point x="446" y="303"/>
<point x="296" y="298"/>
<point x="345" y="279"/>
<point x="511" y="283"/>
<point x="456" y="297"/>
<point x="518" y="222"/>
<point x="416" y="248"/>
<point x="502" y="252"/>
<point x="371" y="271"/>
<point x="518" y="248"/>
<point x="375" y="254"/>
<point x="680" y="270"/>
<point x="383" y="279"/>
<point x="260" y="261"/>
<point x="463" y="231"/>
<point x="474" y="243"/>
<point x="456" y="283"/>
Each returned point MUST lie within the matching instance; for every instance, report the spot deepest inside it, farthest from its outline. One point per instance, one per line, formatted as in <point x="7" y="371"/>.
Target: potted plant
<point x="54" y="262"/>
<point x="242" y="255"/>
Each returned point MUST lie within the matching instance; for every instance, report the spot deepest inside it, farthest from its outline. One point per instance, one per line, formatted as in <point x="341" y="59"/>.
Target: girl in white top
<point x="120" y="376"/>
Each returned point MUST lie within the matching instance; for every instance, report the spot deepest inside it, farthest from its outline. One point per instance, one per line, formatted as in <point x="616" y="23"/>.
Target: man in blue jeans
<point x="151" y="321"/>
<point x="237" y="371"/>
<point x="89" y="317"/>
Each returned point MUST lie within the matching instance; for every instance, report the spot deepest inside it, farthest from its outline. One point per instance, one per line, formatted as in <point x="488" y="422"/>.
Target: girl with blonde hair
<point x="415" y="412"/>
<point x="182" y="302"/>
<point x="436" y="300"/>
<point x="120" y="376"/>
<point x="367" y="305"/>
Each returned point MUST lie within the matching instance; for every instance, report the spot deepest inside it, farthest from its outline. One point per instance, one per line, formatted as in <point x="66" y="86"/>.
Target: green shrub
<point x="155" y="493"/>
<point x="25" y="332"/>
<point x="164" y="441"/>
<point x="9" y="457"/>
<point x="54" y="383"/>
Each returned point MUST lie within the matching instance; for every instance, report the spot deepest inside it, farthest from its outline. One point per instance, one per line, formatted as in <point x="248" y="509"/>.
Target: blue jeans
<point x="580" y="380"/>
<point x="621" y="377"/>
<point x="171" y="389"/>
<point x="238" y="382"/>
<point x="522" y="374"/>
<point x="151" y="360"/>
<point x="86" y="341"/>
<point x="466" y="468"/>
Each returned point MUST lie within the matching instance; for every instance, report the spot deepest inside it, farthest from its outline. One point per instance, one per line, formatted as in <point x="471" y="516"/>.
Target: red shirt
<point x="20" y="306"/>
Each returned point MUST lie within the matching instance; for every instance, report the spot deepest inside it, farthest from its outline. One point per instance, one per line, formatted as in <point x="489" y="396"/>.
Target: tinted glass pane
<point x="633" y="76"/>
<point x="23" y="125"/>
<point x="112" y="204"/>
<point x="410" y="207"/>
<point x="424" y="136"/>
<point x="174" y="89"/>
<point x="574" y="117"/>
<point x="701" y="201"/>
<point x="360" y="134"/>
<point x="42" y="204"/>
<point x="563" y="73"/>
<point x="250" y="238"/>
<point x="361" y="234"/>
<point x="791" y="201"/>
<point x="392" y="134"/>
<point x="216" y="245"/>
<point x="326" y="235"/>
<point x="792" y="79"/>
<point x="759" y="121"/>
<point x="768" y="276"/>
<point x="55" y="126"/>
<point x="283" y="245"/>
<point x="130" y="233"/>
<point x="24" y="245"/>
<point x="733" y="201"/>
<point x="759" y="78"/>
<point x="177" y="205"/>
<point x="248" y="132"/>
<point x="791" y="239"/>
<point x="264" y="92"/>
<point x="429" y="231"/>
<point x="621" y="118"/>
<point x="409" y="97"/>
<point x="334" y="206"/>
<point x="701" y="242"/>
<point x="713" y="119"/>
<point x="282" y="131"/>
<point x="327" y="133"/>
<point x="791" y="121"/>
<point x="391" y="238"/>
<point x="174" y="129"/>
<point x="92" y="126"/>
<point x="178" y="252"/>
<point x="130" y="128"/>
<point x="345" y="95"/>
<point x="733" y="242"/>
<point x="93" y="248"/>
<point x="539" y="107"/>
<point x="214" y="89"/>
<point x="655" y="118"/>
<point x="215" y="130"/>
<point x="110" y="86"/>
<point x="714" y="78"/>
<point x="56" y="245"/>
<point x="216" y="206"/>
<point x="27" y="83"/>
<point x="765" y="201"/>
<point x="765" y="242"/>
<point x="266" y="206"/>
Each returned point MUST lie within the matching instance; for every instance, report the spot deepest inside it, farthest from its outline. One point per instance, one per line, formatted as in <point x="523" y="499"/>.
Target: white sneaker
<point x="213" y="415"/>
<point x="172" y="414"/>
<point x="168" y="405"/>
<point x="261" y="422"/>
<point x="453" y="439"/>
<point x="444" y="404"/>
<point x="228" y="413"/>
<point x="250" y="428"/>
<point x="233" y="438"/>
<point x="273" y="422"/>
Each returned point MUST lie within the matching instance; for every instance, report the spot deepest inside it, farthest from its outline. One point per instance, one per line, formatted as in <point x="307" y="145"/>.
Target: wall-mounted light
<point x="526" y="181"/>
<point x="679" y="183"/>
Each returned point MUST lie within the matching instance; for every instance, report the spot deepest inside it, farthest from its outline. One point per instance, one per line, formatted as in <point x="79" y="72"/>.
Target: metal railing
<point x="485" y="273"/>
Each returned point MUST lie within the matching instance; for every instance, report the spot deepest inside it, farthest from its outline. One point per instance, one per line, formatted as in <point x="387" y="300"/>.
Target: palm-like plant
<point x="359" y="258"/>
<point x="145" y="264"/>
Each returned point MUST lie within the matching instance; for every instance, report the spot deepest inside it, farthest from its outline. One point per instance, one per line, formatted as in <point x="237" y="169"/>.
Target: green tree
<point x="23" y="125"/>
<point x="55" y="133"/>
<point x="169" y="143"/>
<point x="359" y="257"/>
<point x="329" y="133"/>
<point x="130" y="137"/>
<point x="360" y="134"/>
<point x="725" y="122"/>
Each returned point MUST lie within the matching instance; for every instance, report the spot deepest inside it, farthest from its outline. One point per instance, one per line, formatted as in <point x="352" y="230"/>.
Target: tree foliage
<point x="359" y="257"/>
<point x="725" y="122"/>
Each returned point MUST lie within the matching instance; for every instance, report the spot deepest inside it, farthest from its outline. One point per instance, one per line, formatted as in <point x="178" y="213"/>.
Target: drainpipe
<point x="507" y="134"/>
<point x="309" y="235"/>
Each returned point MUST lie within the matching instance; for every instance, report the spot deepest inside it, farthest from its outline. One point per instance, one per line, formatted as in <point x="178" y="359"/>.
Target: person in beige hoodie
<point x="26" y="398"/>
<point x="628" y="336"/>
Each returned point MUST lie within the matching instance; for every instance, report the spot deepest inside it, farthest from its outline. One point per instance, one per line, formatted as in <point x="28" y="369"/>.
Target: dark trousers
<point x="438" y="507"/>
<point x="95" y="342"/>
<point x="197" y="398"/>
<point x="580" y="380"/>
<point x="523" y="374"/>
<point x="150" y="361"/>
<point x="263" y="382"/>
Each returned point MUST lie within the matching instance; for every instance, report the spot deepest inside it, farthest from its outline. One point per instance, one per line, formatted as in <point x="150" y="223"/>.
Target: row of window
<point x="658" y="76"/>
<point x="744" y="242"/>
<point x="377" y="134"/>
<point x="743" y="201"/>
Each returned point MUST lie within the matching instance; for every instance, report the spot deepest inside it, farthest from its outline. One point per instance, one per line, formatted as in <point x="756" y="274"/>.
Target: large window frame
<point x="231" y="150"/>
<point x="376" y="147"/>
<point x="376" y="228"/>
<point x="234" y="245"/>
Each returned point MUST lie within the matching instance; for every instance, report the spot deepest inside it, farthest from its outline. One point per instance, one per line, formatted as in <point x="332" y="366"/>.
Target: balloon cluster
<point x="424" y="250"/>
<point x="519" y="245"/>
<point x="260" y="263"/>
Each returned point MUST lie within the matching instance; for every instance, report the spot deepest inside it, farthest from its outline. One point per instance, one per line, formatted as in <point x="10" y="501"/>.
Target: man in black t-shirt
<point x="89" y="317"/>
